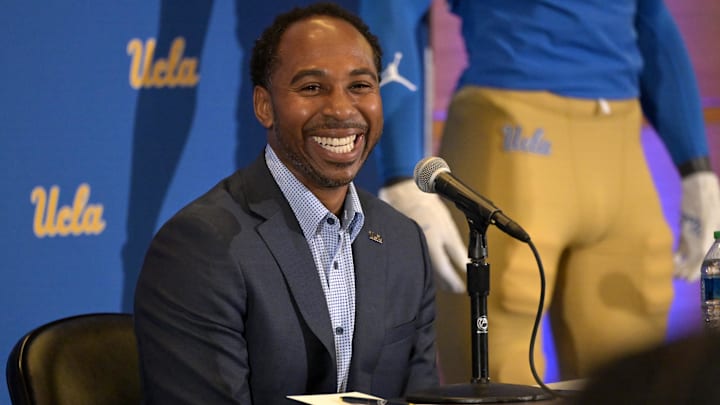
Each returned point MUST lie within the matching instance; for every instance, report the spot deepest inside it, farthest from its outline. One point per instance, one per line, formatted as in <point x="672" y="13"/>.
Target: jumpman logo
<point x="392" y="74"/>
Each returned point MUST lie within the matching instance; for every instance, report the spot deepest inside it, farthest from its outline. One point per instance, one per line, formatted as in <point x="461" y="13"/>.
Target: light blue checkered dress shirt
<point x="330" y="240"/>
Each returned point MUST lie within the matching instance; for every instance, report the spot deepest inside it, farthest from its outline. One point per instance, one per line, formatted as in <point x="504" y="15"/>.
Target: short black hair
<point x="264" y="55"/>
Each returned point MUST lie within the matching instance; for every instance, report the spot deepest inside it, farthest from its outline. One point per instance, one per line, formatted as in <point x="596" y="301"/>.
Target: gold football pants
<point x="573" y="174"/>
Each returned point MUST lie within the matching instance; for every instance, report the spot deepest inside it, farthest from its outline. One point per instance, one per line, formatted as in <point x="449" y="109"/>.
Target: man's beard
<point x="305" y="167"/>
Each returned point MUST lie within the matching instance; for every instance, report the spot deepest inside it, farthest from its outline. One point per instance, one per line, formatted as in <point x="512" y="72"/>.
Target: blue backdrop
<point x="114" y="115"/>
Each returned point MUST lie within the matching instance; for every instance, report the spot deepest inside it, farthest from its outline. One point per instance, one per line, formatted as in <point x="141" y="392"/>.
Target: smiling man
<point x="284" y="278"/>
<point x="320" y="101"/>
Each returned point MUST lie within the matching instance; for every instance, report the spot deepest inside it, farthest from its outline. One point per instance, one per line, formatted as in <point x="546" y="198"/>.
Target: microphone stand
<point x="480" y="389"/>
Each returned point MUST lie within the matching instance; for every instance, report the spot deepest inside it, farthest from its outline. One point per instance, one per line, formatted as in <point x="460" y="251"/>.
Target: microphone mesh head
<point x="426" y="170"/>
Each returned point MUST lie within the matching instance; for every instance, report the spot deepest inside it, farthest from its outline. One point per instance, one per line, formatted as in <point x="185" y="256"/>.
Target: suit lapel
<point x="370" y="280"/>
<point x="283" y="237"/>
<point x="293" y="256"/>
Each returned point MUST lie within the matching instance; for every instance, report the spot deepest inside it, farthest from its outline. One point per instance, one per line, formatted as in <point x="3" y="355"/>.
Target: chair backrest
<point x="82" y="360"/>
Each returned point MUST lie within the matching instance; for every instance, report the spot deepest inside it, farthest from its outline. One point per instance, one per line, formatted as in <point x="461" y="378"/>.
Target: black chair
<point x="81" y="360"/>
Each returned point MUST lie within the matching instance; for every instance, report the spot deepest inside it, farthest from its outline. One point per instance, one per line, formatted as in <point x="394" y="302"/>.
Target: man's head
<point x="316" y="72"/>
<point x="264" y="57"/>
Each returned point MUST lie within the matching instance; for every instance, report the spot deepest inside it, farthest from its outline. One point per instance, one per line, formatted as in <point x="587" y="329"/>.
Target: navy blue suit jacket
<point x="229" y="308"/>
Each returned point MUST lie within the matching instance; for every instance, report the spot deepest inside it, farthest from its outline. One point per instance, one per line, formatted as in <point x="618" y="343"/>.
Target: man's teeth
<point x="337" y="145"/>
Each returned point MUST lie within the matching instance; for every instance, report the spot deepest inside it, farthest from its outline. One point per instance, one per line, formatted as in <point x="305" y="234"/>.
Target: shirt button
<point x="331" y="221"/>
<point x="339" y="330"/>
<point x="335" y="265"/>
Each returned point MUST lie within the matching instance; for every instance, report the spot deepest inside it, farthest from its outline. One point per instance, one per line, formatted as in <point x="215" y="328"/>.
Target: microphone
<point x="432" y="175"/>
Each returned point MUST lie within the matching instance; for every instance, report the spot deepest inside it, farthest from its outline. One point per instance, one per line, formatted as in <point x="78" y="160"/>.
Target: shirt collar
<point x="308" y="210"/>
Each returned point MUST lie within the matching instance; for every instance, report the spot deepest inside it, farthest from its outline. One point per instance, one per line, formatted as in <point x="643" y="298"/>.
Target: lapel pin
<point x="375" y="237"/>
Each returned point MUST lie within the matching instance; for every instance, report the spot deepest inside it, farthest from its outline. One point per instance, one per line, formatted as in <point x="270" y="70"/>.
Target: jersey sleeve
<point x="668" y="88"/>
<point x="402" y="28"/>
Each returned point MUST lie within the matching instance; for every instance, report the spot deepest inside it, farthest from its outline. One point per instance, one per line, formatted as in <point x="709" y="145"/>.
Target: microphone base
<point x="479" y="393"/>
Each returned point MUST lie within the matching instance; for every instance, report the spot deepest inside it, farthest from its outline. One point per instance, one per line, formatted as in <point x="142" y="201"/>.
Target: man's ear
<point x="263" y="106"/>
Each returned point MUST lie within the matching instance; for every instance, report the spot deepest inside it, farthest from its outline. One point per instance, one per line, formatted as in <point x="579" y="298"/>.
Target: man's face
<point x="323" y="110"/>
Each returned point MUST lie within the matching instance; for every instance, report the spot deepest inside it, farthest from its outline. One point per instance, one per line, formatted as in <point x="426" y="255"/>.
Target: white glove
<point x="444" y="242"/>
<point x="700" y="218"/>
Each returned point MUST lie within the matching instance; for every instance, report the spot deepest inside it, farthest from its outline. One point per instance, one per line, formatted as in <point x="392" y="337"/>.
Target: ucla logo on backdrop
<point x="149" y="71"/>
<point x="80" y="218"/>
